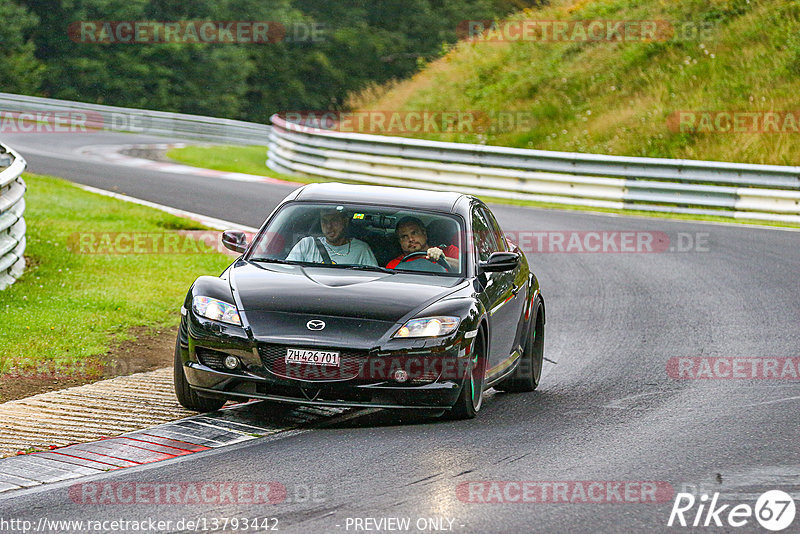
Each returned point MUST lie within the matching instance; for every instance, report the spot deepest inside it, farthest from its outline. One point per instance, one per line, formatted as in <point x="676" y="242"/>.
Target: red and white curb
<point x="243" y="422"/>
<point x="113" y="154"/>
<point x="129" y="406"/>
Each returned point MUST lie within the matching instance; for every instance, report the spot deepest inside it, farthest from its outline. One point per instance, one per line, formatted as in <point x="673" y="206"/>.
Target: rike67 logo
<point x="774" y="510"/>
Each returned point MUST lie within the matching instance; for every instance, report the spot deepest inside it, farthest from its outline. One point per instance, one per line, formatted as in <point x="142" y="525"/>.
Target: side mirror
<point x="500" y="262"/>
<point x="234" y="240"/>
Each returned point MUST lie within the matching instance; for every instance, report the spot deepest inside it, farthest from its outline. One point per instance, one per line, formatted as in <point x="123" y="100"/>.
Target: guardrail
<point x="111" y="118"/>
<point x="12" y="224"/>
<point x="743" y="191"/>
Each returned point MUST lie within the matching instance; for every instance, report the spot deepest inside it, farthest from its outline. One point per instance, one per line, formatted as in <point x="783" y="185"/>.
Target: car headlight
<point x="216" y="310"/>
<point x="428" y="327"/>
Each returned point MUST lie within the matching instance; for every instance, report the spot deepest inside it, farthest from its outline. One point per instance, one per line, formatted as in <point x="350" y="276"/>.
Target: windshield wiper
<point x="282" y="262"/>
<point x="334" y="265"/>
<point x="369" y="268"/>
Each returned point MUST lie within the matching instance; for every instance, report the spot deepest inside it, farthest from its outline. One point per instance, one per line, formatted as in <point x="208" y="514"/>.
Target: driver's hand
<point x="434" y="254"/>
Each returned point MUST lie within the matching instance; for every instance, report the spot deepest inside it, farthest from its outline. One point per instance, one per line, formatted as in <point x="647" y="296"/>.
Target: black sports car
<point x="365" y="296"/>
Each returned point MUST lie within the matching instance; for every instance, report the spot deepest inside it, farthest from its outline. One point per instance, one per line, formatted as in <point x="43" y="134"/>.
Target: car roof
<point x="371" y="194"/>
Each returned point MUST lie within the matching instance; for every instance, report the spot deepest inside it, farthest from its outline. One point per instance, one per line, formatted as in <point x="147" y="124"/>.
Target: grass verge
<point x="243" y="159"/>
<point x="70" y="306"/>
<point x="621" y="97"/>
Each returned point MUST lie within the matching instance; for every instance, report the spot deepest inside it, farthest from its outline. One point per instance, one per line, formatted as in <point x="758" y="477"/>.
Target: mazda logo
<point x="316" y="324"/>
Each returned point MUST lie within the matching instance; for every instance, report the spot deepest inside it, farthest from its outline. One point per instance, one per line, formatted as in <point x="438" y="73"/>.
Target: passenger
<point x="335" y="247"/>
<point x="413" y="237"/>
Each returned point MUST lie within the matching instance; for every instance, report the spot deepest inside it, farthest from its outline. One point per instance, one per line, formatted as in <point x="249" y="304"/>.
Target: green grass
<point x="243" y="159"/>
<point x="247" y="160"/>
<point x="616" y="98"/>
<point x="70" y="306"/>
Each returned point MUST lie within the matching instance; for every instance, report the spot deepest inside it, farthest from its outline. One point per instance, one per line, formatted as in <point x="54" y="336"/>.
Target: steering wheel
<point x="422" y="254"/>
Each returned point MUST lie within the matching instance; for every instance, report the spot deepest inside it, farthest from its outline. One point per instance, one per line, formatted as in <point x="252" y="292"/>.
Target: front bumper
<point x="365" y="379"/>
<point x="438" y="395"/>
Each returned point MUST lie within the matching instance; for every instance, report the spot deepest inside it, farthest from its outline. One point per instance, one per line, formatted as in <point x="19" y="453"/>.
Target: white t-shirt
<point x="356" y="252"/>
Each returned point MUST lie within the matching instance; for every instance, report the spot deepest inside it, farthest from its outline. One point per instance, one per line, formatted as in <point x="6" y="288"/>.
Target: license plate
<point x="312" y="357"/>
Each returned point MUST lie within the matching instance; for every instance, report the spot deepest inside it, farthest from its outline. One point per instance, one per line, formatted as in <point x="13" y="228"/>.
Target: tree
<point x="20" y="71"/>
<point x="365" y="41"/>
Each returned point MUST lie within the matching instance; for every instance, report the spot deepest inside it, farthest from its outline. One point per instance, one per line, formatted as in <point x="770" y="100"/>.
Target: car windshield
<point x="388" y="239"/>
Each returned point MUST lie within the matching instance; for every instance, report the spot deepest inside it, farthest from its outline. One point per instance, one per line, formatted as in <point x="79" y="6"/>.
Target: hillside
<point x="625" y="98"/>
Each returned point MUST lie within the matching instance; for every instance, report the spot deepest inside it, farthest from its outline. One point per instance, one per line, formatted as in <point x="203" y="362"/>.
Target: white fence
<point x="12" y="224"/>
<point x="762" y="192"/>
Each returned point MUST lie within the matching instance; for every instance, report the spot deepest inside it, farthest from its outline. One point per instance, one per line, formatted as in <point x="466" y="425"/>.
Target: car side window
<point x="483" y="235"/>
<point x="498" y="234"/>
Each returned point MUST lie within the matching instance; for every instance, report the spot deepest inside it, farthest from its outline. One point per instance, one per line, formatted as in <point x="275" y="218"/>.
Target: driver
<point x="414" y="238"/>
<point x="335" y="245"/>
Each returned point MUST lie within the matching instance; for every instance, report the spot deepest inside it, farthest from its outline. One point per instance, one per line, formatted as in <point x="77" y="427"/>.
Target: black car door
<point x="519" y="279"/>
<point x="497" y="292"/>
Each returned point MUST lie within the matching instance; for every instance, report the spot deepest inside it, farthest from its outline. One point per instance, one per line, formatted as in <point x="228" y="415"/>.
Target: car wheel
<point x="529" y="371"/>
<point x="471" y="397"/>
<point x="188" y="398"/>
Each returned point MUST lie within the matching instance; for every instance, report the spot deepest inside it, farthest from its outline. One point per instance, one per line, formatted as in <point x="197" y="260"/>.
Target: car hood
<point x="321" y="291"/>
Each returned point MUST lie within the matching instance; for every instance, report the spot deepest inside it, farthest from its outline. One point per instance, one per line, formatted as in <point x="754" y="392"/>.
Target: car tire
<point x="528" y="373"/>
<point x="470" y="399"/>
<point x="187" y="397"/>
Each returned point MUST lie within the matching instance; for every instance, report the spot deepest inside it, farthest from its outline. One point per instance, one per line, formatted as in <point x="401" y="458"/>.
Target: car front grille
<point x="354" y="364"/>
<point x="273" y="357"/>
